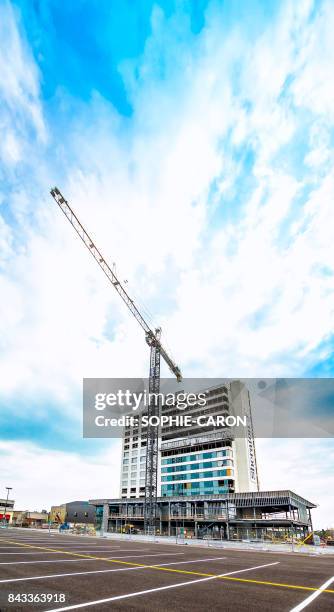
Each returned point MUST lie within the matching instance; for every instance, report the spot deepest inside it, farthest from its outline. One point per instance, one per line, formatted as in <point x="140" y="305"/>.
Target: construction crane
<point x="156" y="352"/>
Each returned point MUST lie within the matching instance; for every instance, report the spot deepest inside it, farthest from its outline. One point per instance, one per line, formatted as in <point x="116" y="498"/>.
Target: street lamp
<point x="4" y="516"/>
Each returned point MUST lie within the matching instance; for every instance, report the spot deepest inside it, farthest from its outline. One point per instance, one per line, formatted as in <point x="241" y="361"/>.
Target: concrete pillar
<point x="310" y="519"/>
<point x="105" y="518"/>
<point x="227" y="521"/>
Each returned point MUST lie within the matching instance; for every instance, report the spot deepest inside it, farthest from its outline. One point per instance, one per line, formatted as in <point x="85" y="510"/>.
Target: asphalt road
<point x="86" y="573"/>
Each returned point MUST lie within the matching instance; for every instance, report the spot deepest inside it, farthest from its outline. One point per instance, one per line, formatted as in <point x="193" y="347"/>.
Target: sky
<point x="195" y="142"/>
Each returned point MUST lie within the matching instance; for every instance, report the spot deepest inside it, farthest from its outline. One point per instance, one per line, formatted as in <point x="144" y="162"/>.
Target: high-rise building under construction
<point x="195" y="460"/>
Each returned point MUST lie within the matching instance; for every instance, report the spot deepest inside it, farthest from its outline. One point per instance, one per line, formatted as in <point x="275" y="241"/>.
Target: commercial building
<point x="76" y="512"/>
<point x="196" y="460"/>
<point x="265" y="515"/>
<point x="24" y="518"/>
<point x="6" y="510"/>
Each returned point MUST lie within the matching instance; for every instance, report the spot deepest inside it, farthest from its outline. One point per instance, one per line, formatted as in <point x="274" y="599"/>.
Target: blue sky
<point x="195" y="141"/>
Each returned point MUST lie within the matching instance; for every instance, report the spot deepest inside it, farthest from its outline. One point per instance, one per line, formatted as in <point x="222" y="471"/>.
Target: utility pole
<point x="4" y="517"/>
<point x="156" y="352"/>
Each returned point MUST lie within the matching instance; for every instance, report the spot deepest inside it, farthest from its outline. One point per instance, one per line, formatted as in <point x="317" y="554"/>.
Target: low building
<point x="6" y="510"/>
<point x="233" y="516"/>
<point x="76" y="513"/>
<point x="24" y="518"/>
<point x="17" y="518"/>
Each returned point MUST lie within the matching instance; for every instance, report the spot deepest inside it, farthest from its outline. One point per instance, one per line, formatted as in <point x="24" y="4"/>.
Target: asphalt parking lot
<point x="41" y="571"/>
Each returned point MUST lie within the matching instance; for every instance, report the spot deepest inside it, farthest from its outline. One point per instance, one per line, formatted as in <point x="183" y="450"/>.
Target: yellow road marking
<point x="168" y="569"/>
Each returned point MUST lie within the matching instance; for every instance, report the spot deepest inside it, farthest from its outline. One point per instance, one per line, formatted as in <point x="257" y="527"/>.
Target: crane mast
<point x="156" y="352"/>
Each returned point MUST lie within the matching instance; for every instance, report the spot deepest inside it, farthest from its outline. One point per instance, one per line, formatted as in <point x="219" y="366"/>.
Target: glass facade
<point x="197" y="473"/>
<point x="197" y="456"/>
<point x="195" y="488"/>
<point x="98" y="517"/>
<point x="196" y="466"/>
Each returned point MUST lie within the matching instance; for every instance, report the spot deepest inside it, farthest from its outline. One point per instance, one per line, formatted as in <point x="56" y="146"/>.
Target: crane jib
<point x="151" y="336"/>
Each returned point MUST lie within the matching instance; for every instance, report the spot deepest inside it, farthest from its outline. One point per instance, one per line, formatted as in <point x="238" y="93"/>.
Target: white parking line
<point x="164" y="588"/>
<point x="53" y="552"/>
<point x="55" y="544"/>
<point x="46" y="536"/>
<point x="48" y="539"/>
<point x="62" y="546"/>
<point x="190" y="561"/>
<point x="312" y="597"/>
<point x="41" y="552"/>
<point x="108" y="571"/>
<point x="54" y="539"/>
<point x="92" y="559"/>
<point x="90" y="572"/>
<point x="36" y="539"/>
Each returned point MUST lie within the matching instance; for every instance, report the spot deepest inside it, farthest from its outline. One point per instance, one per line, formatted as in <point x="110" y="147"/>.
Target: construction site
<point x="272" y="516"/>
<point x="190" y="519"/>
<point x="163" y="469"/>
<point x="167" y="312"/>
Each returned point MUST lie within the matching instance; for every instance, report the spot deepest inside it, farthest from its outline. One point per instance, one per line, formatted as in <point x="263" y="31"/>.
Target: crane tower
<point x="156" y="352"/>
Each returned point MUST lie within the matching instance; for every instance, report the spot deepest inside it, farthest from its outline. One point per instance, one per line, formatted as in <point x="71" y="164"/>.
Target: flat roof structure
<point x="256" y="498"/>
<point x="256" y="515"/>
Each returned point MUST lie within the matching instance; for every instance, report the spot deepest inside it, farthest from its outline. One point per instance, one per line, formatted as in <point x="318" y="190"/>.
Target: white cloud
<point x="313" y="89"/>
<point x="240" y="290"/>
<point x="303" y="466"/>
<point x="19" y="90"/>
<point x="145" y="194"/>
<point x="52" y="477"/>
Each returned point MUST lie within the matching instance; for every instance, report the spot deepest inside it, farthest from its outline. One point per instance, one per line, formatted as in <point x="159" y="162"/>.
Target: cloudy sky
<point x="195" y="140"/>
